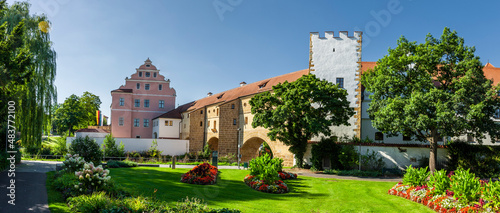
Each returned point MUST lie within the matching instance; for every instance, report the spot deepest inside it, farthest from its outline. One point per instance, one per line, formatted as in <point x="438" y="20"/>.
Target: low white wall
<point x="167" y="146"/>
<point x="392" y="156"/>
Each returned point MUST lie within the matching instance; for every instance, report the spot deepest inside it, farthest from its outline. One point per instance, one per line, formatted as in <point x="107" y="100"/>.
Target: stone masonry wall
<point x="197" y="132"/>
<point x="228" y="132"/>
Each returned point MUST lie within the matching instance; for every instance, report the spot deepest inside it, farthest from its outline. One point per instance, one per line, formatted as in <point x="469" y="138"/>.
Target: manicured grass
<point x="307" y="194"/>
<point x="56" y="201"/>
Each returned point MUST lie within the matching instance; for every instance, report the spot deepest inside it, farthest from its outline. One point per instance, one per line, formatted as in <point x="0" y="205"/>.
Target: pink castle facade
<point x="145" y="95"/>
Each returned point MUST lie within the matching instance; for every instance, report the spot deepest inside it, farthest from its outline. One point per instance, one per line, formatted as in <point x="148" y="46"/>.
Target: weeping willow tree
<point x="34" y="99"/>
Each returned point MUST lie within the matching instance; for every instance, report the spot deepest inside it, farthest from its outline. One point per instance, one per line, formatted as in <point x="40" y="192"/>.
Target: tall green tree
<point x="433" y="89"/>
<point x="69" y="115"/>
<point x="35" y="98"/>
<point x="295" y="112"/>
<point x="90" y="103"/>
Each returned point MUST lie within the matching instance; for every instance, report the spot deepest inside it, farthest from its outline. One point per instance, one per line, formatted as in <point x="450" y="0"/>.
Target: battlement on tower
<point x="341" y="34"/>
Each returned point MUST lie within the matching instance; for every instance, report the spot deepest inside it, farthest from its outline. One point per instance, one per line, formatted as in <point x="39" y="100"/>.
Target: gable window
<point x="160" y="87"/>
<point x="232" y="106"/>
<point x="138" y="86"/>
<point x="379" y="136"/>
<point x="161" y="104"/>
<point x="120" y="121"/>
<point x="234" y="121"/>
<point x="122" y="101"/>
<point x="146" y="122"/>
<point x="148" y="74"/>
<point x="136" y="122"/>
<point x="146" y="87"/>
<point x="340" y="82"/>
<point x="137" y="103"/>
<point x="154" y="75"/>
<point x="201" y="112"/>
<point x="140" y="74"/>
<point x="146" y="103"/>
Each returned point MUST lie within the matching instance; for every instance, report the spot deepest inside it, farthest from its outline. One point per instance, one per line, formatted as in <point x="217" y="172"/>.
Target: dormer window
<point x="262" y="85"/>
<point x="140" y="74"/>
<point x="147" y="65"/>
<point x="220" y="96"/>
<point x="148" y="74"/>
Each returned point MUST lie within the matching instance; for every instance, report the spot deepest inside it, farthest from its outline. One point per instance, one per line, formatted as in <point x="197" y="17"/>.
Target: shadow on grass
<point x="229" y="188"/>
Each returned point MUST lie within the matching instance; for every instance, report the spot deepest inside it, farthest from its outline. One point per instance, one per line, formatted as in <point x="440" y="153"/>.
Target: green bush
<point x="95" y="202"/>
<point x="348" y="157"/>
<point x="484" y="161"/>
<point x="65" y="183"/>
<point x="266" y="168"/>
<point x="86" y="148"/>
<point x="111" y="149"/>
<point x="58" y="145"/>
<point x="440" y="181"/>
<point x="465" y="186"/>
<point x="153" y="150"/>
<point x="326" y="148"/>
<point x="415" y="177"/>
<point x="117" y="164"/>
<point x="491" y="194"/>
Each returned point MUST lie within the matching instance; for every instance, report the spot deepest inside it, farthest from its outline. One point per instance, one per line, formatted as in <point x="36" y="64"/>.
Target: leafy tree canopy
<point x="76" y="112"/>
<point x="436" y="88"/>
<point x="297" y="111"/>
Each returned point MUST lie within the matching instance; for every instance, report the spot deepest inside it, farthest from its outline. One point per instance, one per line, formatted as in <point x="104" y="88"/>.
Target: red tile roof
<point x="248" y="89"/>
<point x="122" y="90"/>
<point x="492" y="73"/>
<point x="176" y="113"/>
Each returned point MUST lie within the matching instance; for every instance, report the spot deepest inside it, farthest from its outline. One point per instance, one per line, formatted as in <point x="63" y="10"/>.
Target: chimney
<point x="243" y="83"/>
<point x="209" y="94"/>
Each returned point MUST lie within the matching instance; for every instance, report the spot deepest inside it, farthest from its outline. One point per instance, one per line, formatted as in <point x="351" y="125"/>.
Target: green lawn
<point x="307" y="194"/>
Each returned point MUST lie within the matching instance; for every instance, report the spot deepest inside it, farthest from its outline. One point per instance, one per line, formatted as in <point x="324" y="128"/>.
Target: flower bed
<point x="287" y="175"/>
<point x="438" y="202"/>
<point x="203" y="174"/>
<point x="278" y="187"/>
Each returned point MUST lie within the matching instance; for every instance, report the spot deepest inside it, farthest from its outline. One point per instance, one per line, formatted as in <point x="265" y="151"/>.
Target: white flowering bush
<point x="92" y="178"/>
<point x="72" y="163"/>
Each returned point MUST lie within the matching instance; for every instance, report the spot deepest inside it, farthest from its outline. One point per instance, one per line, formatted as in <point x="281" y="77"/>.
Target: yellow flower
<point x="44" y="26"/>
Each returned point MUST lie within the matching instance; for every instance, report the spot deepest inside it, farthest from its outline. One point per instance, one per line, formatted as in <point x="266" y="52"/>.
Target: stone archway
<point x="213" y="144"/>
<point x="250" y="149"/>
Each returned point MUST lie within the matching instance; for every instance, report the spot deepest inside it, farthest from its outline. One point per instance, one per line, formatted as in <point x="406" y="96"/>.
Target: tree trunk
<point x="299" y="157"/>
<point x="433" y="151"/>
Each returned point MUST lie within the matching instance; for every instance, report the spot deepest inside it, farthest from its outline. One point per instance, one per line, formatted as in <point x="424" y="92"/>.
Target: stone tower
<point x="338" y="60"/>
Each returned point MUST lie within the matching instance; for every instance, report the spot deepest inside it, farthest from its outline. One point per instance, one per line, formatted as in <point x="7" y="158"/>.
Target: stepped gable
<point x="248" y="89"/>
<point x="492" y="72"/>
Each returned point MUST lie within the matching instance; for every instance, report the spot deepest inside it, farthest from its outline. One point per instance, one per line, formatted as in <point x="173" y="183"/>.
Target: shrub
<point x="465" y="186"/>
<point x="372" y="161"/>
<point x="266" y="168"/>
<point x="415" y="177"/>
<point x="73" y="163"/>
<point x="65" y="183"/>
<point x="153" y="150"/>
<point x="86" y="148"/>
<point x="326" y="148"/>
<point x="491" y="194"/>
<point x="190" y="205"/>
<point x="202" y="174"/>
<point x="265" y="149"/>
<point x="111" y="149"/>
<point x="117" y="164"/>
<point x="92" y="178"/>
<point x="348" y="157"/>
<point x="95" y="202"/>
<point x="482" y="160"/>
<point x="229" y="158"/>
<point x="440" y="181"/>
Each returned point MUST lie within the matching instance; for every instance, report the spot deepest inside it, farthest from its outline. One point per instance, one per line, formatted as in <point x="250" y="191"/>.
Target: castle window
<point x="138" y="86"/>
<point x="379" y="136"/>
<point x="140" y="74"/>
<point x="208" y="123"/>
<point x="201" y="123"/>
<point x="122" y="101"/>
<point x="340" y="82"/>
<point x="201" y="112"/>
<point x="136" y="122"/>
<point x="120" y="121"/>
<point x="154" y="75"/>
<point x="137" y="103"/>
<point x="244" y="104"/>
<point x="146" y="122"/>
<point x="217" y="112"/>
<point x="234" y="121"/>
<point x="148" y="74"/>
<point x="161" y="104"/>
<point x="246" y="120"/>
<point x="146" y="87"/>
<point x="160" y="87"/>
<point x="137" y="136"/>
<point x="146" y="103"/>
<point x="215" y="124"/>
<point x="232" y="106"/>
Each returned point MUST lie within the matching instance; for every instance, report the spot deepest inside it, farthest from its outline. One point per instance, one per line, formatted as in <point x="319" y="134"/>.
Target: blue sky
<point x="204" y="48"/>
